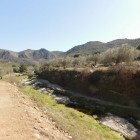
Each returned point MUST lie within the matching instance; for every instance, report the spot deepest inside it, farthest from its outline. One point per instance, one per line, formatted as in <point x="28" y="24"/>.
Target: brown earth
<point x="21" y="119"/>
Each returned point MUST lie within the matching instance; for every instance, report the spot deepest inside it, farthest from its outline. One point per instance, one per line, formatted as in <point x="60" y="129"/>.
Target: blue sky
<point x="62" y="24"/>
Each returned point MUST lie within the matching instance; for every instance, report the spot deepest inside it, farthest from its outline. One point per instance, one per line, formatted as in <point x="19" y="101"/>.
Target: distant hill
<point x="93" y="46"/>
<point x="96" y="46"/>
<point x="30" y="57"/>
<point x="57" y="53"/>
<point x="36" y="54"/>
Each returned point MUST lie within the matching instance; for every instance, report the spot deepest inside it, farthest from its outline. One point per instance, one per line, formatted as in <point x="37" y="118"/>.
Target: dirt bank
<point x="21" y="119"/>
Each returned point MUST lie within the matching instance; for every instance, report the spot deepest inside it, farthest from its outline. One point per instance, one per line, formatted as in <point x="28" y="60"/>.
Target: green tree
<point x="138" y="47"/>
<point x="22" y="69"/>
<point x="117" y="55"/>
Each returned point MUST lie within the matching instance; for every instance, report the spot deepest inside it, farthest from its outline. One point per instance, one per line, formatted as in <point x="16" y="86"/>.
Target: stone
<point x="62" y="99"/>
<point x="37" y="136"/>
<point x="36" y="108"/>
<point x="70" y="137"/>
<point x="39" y="120"/>
<point x="121" y="125"/>
<point x="95" y="116"/>
<point x="15" y="84"/>
<point x="138" y="122"/>
<point x="35" y="127"/>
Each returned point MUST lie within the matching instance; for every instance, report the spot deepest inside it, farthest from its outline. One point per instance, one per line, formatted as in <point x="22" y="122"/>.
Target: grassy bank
<point x="78" y="124"/>
<point x="118" y="84"/>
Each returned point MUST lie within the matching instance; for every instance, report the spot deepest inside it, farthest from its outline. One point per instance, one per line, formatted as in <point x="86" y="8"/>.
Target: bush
<point x="117" y="55"/>
<point x="93" y="59"/>
<point x="16" y="70"/>
<point x="138" y="47"/>
<point x="22" y="69"/>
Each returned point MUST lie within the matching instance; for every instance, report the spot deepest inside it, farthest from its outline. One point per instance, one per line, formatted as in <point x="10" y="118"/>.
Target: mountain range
<point x="32" y="56"/>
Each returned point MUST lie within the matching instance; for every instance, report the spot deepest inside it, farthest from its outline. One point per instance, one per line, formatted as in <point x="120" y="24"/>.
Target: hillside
<point x="28" y="56"/>
<point x="96" y="46"/>
<point x="34" y="56"/>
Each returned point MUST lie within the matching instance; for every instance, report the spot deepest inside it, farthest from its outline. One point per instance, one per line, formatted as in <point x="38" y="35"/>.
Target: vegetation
<point x="112" y="75"/>
<point x="78" y="124"/>
<point x="111" y="57"/>
<point x="138" y="47"/>
<point x="118" y="55"/>
<point x="5" y="68"/>
<point x="22" y="68"/>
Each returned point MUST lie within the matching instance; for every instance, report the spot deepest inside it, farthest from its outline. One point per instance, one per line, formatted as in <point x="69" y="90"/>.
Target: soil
<point x="21" y="119"/>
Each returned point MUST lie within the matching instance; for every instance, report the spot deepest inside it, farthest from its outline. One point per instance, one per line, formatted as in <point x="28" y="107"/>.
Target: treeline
<point x="112" y="56"/>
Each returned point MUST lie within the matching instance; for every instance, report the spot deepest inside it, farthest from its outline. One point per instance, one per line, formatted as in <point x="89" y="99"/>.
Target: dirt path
<point x="20" y="119"/>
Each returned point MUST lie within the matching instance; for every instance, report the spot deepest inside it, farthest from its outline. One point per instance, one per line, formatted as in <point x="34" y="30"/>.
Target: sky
<point x="63" y="24"/>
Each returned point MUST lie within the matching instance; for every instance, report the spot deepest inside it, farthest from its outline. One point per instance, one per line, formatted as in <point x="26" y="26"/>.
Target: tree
<point x="106" y="57"/>
<point x="64" y="62"/>
<point x="93" y="59"/>
<point x="75" y="62"/>
<point x="1" y="73"/>
<point x="138" y="47"/>
<point x="125" y="53"/>
<point x="15" y="70"/>
<point x="22" y="69"/>
<point x="76" y="55"/>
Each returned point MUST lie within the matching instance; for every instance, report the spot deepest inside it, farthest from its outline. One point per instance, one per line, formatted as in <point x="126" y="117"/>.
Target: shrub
<point x="138" y="47"/>
<point x="117" y="55"/>
<point x="22" y="69"/>
<point x="16" y="70"/>
<point x="93" y="59"/>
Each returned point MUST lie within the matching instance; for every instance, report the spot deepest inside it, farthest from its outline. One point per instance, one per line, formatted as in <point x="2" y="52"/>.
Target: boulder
<point x="121" y="125"/>
<point x="62" y="99"/>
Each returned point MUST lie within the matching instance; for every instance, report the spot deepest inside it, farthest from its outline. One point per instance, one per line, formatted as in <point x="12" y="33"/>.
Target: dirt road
<point x="20" y="119"/>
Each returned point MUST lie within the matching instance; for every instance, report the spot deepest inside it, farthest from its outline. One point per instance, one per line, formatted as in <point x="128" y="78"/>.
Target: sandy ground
<point x="20" y="119"/>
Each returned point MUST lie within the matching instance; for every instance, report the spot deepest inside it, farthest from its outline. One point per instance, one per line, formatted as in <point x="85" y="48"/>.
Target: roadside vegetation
<point x="81" y="126"/>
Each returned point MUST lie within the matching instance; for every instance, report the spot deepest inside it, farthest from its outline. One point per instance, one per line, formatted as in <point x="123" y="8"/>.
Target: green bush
<point x="22" y="69"/>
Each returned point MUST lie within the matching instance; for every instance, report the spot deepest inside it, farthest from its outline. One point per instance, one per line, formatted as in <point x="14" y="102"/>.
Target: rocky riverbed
<point x="112" y="121"/>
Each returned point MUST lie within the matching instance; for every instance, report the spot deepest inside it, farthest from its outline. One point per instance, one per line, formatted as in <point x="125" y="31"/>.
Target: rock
<point x="138" y="122"/>
<point x="109" y="114"/>
<point x="50" y="91"/>
<point x="121" y="125"/>
<point x="25" y="82"/>
<point x="15" y="84"/>
<point x="95" y="116"/>
<point x="70" y="137"/>
<point x="36" y="108"/>
<point x="45" y="111"/>
<point x="42" y="90"/>
<point x="62" y="99"/>
<point x="35" y="127"/>
<point x="39" y="120"/>
<point x="42" y="116"/>
<point x="37" y="136"/>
